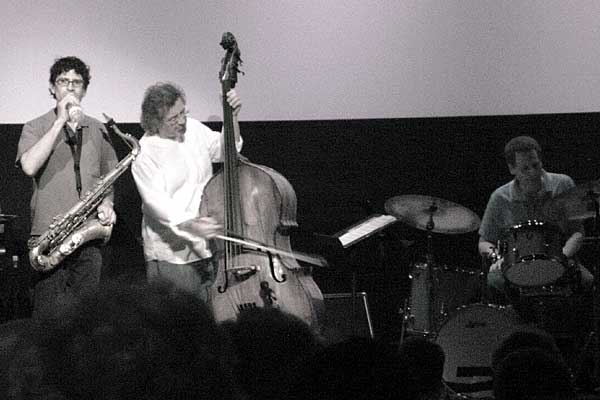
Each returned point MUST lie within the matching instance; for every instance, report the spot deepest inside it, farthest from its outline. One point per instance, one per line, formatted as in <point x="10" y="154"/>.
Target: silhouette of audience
<point x="128" y="342"/>
<point x="524" y="338"/>
<point x="270" y="347"/>
<point x="355" y="368"/>
<point x="156" y="342"/>
<point x="529" y="365"/>
<point x="422" y="366"/>
<point x="532" y="374"/>
<point x="14" y="345"/>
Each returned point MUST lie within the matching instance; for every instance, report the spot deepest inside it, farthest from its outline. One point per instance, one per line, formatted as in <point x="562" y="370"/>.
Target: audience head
<point x="20" y="368"/>
<point x="524" y="338"/>
<point x="270" y="346"/>
<point x="148" y="342"/>
<point x="422" y="362"/>
<point x="532" y="373"/>
<point x="356" y="368"/>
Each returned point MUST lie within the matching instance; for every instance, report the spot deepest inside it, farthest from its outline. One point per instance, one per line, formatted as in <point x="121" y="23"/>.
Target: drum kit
<point x="531" y="260"/>
<point x="435" y="289"/>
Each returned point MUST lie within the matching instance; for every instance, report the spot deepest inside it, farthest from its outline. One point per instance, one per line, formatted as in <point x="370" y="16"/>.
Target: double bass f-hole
<point x="272" y="267"/>
<point x="244" y="272"/>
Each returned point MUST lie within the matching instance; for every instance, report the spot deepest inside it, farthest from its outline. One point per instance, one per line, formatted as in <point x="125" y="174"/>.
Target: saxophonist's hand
<point x="106" y="213"/>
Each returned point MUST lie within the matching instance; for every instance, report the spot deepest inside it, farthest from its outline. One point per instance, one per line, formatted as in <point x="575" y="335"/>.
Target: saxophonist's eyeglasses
<point x="64" y="82"/>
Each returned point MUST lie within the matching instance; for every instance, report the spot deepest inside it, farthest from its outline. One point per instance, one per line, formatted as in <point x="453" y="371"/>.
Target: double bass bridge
<point x="241" y="273"/>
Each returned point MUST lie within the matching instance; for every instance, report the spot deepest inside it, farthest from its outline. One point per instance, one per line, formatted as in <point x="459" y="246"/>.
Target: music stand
<point x="334" y="247"/>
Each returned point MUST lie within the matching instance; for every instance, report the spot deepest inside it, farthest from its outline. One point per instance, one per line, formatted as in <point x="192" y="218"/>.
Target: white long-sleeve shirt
<point x="170" y="177"/>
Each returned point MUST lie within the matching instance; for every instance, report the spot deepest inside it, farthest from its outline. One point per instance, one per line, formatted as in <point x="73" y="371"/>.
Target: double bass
<point x="255" y="266"/>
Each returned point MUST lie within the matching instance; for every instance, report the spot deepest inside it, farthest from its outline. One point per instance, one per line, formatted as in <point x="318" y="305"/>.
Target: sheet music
<point x="364" y="229"/>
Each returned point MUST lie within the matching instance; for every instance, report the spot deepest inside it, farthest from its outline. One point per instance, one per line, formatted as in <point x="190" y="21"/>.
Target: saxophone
<point x="69" y="231"/>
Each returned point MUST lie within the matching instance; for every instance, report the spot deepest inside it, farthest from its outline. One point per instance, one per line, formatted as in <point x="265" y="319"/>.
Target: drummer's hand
<point x="496" y="266"/>
<point x="206" y="227"/>
<point x="570" y="262"/>
<point x="567" y="254"/>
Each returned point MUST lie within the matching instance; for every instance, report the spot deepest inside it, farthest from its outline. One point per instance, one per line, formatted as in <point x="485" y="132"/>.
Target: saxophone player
<point x="65" y="152"/>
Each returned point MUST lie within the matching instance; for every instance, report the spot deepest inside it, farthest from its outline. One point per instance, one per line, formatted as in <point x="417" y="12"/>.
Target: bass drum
<point x="468" y="339"/>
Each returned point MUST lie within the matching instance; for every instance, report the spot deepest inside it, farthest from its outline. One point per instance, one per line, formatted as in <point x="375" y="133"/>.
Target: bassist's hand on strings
<point x="235" y="105"/>
<point x="205" y="227"/>
<point x="234" y="101"/>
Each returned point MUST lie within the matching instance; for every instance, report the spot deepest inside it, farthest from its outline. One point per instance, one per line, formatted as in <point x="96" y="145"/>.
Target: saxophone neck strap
<point x="75" y="142"/>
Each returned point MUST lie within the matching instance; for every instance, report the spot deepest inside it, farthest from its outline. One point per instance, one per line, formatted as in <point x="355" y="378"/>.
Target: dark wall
<point x="344" y="170"/>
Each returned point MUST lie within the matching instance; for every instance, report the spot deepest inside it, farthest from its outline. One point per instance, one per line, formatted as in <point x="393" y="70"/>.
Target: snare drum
<point x="532" y="254"/>
<point x="468" y="338"/>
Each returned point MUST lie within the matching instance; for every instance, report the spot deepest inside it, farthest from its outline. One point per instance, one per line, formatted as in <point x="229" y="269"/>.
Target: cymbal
<point x="582" y="217"/>
<point x="419" y="211"/>
<point x="578" y="203"/>
<point x="7" y="217"/>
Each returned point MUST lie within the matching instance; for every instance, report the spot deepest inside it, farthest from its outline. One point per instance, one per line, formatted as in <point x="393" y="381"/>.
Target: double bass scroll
<point x="254" y="201"/>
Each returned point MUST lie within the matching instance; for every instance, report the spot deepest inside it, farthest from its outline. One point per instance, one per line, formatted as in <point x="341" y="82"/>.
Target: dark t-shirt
<point x="54" y="187"/>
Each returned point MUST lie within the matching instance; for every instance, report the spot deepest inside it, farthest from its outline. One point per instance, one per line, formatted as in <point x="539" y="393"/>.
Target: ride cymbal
<point x="579" y="202"/>
<point x="432" y="214"/>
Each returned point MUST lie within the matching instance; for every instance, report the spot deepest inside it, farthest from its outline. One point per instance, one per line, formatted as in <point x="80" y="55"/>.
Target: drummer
<point x="525" y="198"/>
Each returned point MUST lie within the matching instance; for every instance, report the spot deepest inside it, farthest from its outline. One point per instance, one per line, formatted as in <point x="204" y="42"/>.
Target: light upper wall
<point x="311" y="59"/>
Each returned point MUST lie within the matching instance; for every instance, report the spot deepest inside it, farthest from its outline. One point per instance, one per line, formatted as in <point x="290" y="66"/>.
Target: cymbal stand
<point x="429" y="260"/>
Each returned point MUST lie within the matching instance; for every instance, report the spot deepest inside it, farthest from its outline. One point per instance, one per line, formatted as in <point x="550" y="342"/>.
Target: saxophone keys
<point x="68" y="247"/>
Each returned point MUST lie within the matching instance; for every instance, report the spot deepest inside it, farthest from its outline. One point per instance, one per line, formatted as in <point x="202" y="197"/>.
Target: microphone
<point x="75" y="113"/>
